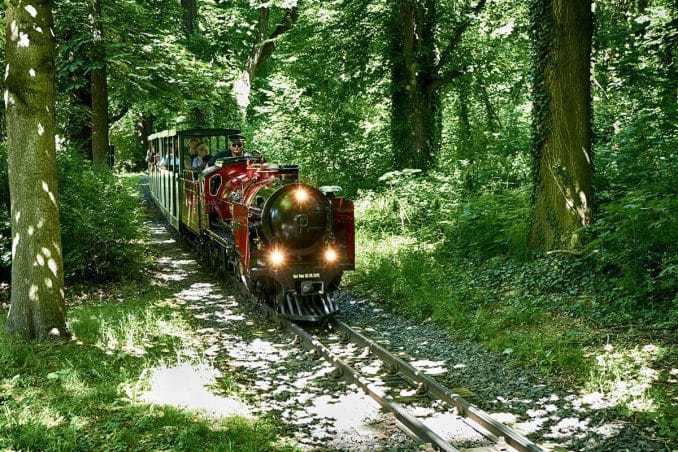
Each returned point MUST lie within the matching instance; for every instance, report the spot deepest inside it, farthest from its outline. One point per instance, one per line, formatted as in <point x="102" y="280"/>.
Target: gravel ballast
<point x="556" y="418"/>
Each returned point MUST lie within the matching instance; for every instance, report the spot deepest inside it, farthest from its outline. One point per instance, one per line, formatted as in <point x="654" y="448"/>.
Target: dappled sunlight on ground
<point x="274" y="375"/>
<point x="186" y="385"/>
<point x="591" y="416"/>
<point x="271" y="375"/>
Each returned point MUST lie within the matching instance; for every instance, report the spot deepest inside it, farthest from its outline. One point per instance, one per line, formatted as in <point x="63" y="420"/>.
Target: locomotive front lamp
<point x="276" y="258"/>
<point x="301" y="195"/>
<point x="331" y="255"/>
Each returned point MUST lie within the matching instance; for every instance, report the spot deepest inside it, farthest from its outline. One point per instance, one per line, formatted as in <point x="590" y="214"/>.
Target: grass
<point x="549" y="314"/>
<point x="78" y="395"/>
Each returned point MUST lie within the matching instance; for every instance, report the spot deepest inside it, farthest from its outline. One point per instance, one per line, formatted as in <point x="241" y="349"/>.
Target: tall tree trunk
<point x="144" y="129"/>
<point x="493" y="121"/>
<point x="563" y="158"/>
<point x="99" y="82"/>
<point x="37" y="299"/>
<point x="416" y="116"/>
<point x="79" y="124"/>
<point x="190" y="10"/>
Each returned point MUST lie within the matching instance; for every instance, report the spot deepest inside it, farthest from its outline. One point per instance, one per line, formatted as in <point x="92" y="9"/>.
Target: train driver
<point x="237" y="146"/>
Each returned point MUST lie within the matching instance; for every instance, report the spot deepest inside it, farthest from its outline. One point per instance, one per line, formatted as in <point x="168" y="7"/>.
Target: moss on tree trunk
<point x="37" y="298"/>
<point x="563" y="158"/>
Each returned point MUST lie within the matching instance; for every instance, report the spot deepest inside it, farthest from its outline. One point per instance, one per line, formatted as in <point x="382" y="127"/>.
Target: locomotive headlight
<point x="276" y="257"/>
<point x="330" y="255"/>
<point x="301" y="195"/>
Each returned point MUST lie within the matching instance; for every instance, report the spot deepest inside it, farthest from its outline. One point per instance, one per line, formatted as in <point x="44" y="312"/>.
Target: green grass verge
<point x="76" y="395"/>
<point x="549" y="314"/>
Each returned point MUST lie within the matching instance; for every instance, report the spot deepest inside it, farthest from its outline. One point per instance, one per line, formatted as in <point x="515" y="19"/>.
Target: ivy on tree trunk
<point x="37" y="296"/>
<point x="562" y="151"/>
<point x="190" y="12"/>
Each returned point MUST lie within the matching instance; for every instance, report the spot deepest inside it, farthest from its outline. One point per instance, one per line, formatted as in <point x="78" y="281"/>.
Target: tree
<point x="190" y="12"/>
<point x="262" y="49"/>
<point x="418" y="75"/>
<point x="37" y="298"/>
<point x="562" y="151"/>
<point x="99" y="83"/>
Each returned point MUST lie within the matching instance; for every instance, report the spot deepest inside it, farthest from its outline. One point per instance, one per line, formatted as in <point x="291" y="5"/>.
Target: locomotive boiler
<point x="287" y="241"/>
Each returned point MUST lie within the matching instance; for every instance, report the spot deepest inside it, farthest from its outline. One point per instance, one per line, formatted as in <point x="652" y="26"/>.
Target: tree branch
<point x="445" y="79"/>
<point x="264" y="48"/>
<point x="122" y="111"/>
<point x="457" y="33"/>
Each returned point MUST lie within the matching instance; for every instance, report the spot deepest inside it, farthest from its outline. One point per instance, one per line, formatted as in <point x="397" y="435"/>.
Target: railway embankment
<point x="591" y="329"/>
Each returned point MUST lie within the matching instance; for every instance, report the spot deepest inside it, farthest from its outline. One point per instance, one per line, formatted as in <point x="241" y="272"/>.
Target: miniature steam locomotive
<point x="287" y="241"/>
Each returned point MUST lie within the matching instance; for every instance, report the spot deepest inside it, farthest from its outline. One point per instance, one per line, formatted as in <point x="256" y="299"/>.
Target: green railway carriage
<point x="172" y="181"/>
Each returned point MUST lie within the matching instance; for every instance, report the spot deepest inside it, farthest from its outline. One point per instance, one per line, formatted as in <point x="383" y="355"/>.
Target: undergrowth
<point x="463" y="263"/>
<point x="100" y="217"/>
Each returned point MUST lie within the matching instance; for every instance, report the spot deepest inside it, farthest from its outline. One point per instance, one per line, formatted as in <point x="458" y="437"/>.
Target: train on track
<point x="288" y="242"/>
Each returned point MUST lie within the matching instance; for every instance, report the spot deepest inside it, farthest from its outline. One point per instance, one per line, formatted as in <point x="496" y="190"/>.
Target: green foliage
<point x="129" y="152"/>
<point x="635" y="242"/>
<point x="433" y="208"/>
<point x="101" y="222"/>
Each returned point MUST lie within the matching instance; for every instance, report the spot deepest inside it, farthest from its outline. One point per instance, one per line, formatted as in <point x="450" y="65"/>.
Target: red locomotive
<point x="287" y="241"/>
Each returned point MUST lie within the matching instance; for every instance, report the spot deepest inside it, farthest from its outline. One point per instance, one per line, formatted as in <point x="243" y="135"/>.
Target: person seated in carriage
<point x="202" y="158"/>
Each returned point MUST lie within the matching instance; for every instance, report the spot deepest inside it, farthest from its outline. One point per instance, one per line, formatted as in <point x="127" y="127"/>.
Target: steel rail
<point x="440" y="392"/>
<point x="354" y="376"/>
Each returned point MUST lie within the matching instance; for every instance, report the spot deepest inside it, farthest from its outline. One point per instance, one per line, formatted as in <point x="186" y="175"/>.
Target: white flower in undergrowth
<point x="650" y="348"/>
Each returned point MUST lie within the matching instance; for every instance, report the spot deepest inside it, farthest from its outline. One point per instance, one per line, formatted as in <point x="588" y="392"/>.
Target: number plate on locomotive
<point x="305" y="275"/>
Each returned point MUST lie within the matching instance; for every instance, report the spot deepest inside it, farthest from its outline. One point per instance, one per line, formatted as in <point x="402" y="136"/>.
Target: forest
<point x="513" y="167"/>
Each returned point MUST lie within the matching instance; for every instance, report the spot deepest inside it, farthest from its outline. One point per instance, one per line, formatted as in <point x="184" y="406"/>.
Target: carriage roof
<point x="194" y="133"/>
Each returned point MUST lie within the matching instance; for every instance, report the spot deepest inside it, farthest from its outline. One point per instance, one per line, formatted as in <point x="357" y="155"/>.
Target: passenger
<point x="204" y="153"/>
<point x="202" y="158"/>
<point x="193" y="144"/>
<point x="190" y="159"/>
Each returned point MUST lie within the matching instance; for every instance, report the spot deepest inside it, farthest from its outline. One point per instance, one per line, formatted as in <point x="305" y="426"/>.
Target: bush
<point x="410" y="203"/>
<point x="101" y="222"/>
<point x="635" y="242"/>
<point x="433" y="208"/>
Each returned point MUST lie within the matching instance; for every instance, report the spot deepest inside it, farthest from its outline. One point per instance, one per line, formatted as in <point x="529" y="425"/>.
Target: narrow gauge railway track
<point x="405" y="391"/>
<point x="400" y="388"/>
